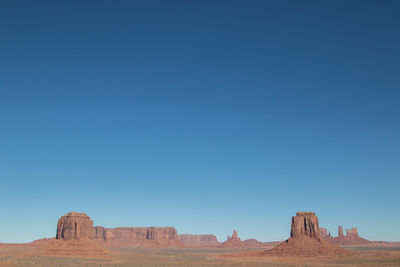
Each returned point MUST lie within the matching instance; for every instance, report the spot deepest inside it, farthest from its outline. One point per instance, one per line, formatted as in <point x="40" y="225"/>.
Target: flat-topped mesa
<point x="305" y="240"/>
<point x="199" y="240"/>
<point x="305" y="223"/>
<point x="144" y="233"/>
<point x="161" y="233"/>
<point x="305" y="213"/>
<point x="76" y="214"/>
<point x="165" y="234"/>
<point x="74" y="225"/>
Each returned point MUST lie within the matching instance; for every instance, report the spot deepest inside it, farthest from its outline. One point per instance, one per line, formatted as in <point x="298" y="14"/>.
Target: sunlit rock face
<point x="305" y="223"/>
<point x="305" y="240"/>
<point x="74" y="225"/>
<point x="136" y="233"/>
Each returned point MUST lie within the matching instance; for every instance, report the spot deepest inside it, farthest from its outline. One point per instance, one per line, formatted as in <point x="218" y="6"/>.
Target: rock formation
<point x="305" y="239"/>
<point x="305" y="223"/>
<point x="74" y="225"/>
<point x="232" y="241"/>
<point x="340" y="231"/>
<point x="351" y="237"/>
<point x="234" y="235"/>
<point x="352" y="233"/>
<point x="324" y="233"/>
<point x="74" y="238"/>
<point x="235" y="242"/>
<point x="135" y="233"/>
<point x="199" y="240"/>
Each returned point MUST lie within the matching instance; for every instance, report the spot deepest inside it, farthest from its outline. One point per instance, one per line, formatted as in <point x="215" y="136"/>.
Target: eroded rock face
<point x="234" y="236"/>
<point x="199" y="240"/>
<point x="352" y="233"/>
<point x="74" y="225"/>
<point x="136" y="233"/>
<point x="305" y="223"/>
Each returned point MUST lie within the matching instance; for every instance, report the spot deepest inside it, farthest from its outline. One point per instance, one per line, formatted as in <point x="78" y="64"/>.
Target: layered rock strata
<point x="135" y="233"/>
<point x="305" y="223"/>
<point x="75" y="225"/>
<point x="199" y="240"/>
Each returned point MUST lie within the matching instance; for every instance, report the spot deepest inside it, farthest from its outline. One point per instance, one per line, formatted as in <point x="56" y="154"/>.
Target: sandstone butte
<point x="76" y="236"/>
<point x="74" y="225"/>
<point x="78" y="226"/>
<point x="305" y="240"/>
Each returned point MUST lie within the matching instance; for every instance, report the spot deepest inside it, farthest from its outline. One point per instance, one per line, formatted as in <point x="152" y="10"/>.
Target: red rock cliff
<point x="74" y="225"/>
<point x="199" y="240"/>
<point x="136" y="233"/>
<point x="305" y="223"/>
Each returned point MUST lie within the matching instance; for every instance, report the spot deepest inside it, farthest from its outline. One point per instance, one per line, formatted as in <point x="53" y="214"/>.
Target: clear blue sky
<point x="207" y="116"/>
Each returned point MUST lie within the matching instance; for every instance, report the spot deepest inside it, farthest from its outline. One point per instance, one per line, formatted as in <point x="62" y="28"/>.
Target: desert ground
<point x="28" y="255"/>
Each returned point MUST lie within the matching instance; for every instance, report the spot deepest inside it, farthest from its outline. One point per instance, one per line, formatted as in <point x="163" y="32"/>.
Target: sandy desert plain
<point x="79" y="243"/>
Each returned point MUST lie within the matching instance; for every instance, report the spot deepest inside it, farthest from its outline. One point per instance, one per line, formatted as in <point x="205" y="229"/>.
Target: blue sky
<point x="207" y="116"/>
